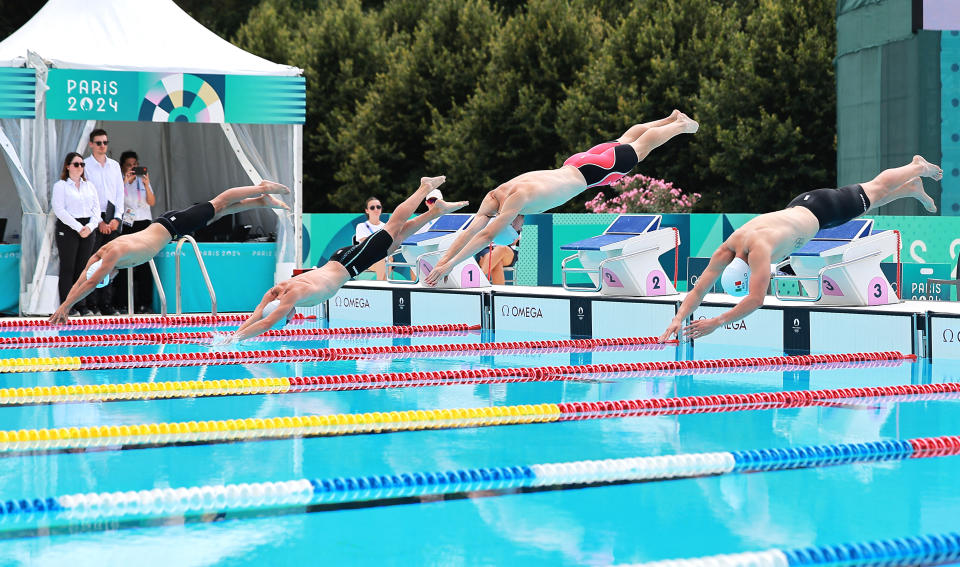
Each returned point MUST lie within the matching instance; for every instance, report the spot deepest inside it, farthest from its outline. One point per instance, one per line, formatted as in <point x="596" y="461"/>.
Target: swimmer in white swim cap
<point x="769" y="238"/>
<point x="316" y="286"/>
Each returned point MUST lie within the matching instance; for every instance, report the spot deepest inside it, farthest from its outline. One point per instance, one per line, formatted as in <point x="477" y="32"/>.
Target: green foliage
<point x="508" y="126"/>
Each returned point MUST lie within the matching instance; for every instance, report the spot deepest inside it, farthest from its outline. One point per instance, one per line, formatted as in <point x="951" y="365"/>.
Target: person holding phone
<point x="138" y="197"/>
<point x="74" y="202"/>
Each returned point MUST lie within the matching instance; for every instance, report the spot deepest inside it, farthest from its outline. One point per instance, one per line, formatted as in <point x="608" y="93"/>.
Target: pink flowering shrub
<point x="642" y="194"/>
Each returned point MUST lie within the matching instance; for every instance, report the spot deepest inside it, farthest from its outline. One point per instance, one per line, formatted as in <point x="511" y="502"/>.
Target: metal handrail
<point x="203" y="271"/>
<point x="159" y="284"/>
<point x="598" y="270"/>
<point x="390" y="265"/>
<point x="156" y="281"/>
<point x="818" y="278"/>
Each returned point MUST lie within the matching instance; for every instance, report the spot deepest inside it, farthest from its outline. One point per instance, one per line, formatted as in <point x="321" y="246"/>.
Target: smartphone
<point x="139" y="170"/>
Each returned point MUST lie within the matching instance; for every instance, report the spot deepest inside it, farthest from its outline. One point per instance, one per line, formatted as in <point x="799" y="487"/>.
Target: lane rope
<point x="303" y="493"/>
<point x="125" y="320"/>
<point x="170" y="338"/>
<point x="298" y="384"/>
<point x="118" y="437"/>
<point x="300" y="355"/>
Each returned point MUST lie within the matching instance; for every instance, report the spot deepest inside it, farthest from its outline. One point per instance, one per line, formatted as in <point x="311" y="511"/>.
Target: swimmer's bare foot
<point x="445" y="207"/>
<point x="273" y="202"/>
<point x="929" y="170"/>
<point x="690" y="126"/>
<point x="433" y="182"/>
<point x="914" y="188"/>
<point x="272" y="187"/>
<point x="675" y="114"/>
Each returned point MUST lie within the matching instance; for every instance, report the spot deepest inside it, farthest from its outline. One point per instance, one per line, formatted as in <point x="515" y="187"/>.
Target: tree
<point x="509" y="125"/>
<point x="385" y="141"/>
<point x="340" y="48"/>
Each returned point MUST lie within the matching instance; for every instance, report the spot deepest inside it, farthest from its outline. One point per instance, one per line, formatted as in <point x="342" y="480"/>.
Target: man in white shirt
<point x="105" y="174"/>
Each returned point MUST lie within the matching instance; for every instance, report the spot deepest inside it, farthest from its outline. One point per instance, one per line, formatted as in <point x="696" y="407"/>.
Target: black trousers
<point x="74" y="253"/>
<point x="142" y="278"/>
<point x="103" y="298"/>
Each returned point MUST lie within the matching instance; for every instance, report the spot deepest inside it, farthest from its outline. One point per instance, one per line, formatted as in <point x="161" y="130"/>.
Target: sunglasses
<point x="374" y="207"/>
<point x="102" y="142"/>
<point x="431" y="200"/>
<point x="79" y="164"/>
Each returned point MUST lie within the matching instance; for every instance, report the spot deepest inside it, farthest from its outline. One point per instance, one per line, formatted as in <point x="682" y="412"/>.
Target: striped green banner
<point x="17" y="93"/>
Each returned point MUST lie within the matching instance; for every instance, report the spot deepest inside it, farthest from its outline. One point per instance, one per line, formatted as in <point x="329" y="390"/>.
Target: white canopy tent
<point x="189" y="162"/>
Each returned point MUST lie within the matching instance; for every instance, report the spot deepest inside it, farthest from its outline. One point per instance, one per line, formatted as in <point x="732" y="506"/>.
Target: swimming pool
<point x="495" y="502"/>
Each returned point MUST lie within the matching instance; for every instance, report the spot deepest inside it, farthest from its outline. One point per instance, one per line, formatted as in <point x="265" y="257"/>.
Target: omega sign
<point x="352" y="302"/>
<point x="524" y="312"/>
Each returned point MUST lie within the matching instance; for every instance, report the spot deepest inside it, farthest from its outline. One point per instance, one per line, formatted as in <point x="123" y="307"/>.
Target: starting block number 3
<point x="877" y="292"/>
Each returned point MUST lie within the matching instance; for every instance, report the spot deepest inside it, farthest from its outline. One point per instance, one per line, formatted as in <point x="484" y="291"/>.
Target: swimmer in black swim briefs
<point x="129" y="250"/>
<point x="743" y="260"/>
<point x="538" y="191"/>
<point x="316" y="286"/>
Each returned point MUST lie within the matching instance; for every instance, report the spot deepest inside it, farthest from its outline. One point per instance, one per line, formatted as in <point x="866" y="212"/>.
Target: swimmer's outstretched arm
<point x="257" y="314"/>
<point x="759" y="262"/>
<point x="480" y="240"/>
<point x="84" y="285"/>
<point x="257" y="324"/>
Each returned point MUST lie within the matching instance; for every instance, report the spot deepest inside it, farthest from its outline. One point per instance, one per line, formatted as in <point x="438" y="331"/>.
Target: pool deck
<point x="924" y="328"/>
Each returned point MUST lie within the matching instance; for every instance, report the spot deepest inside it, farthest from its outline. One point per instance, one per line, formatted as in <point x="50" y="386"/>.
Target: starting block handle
<point x="564" y="270"/>
<point x="391" y="266"/>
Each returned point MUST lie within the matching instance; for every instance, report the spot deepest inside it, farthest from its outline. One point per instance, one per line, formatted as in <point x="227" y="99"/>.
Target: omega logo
<point x="354" y="302"/>
<point x="526" y="312"/>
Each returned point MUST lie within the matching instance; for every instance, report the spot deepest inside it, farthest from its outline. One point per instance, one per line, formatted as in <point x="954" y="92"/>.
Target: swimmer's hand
<point x="673" y="330"/>
<point x="439" y="271"/>
<point x="220" y="339"/>
<point x="59" y="316"/>
<point x="700" y="328"/>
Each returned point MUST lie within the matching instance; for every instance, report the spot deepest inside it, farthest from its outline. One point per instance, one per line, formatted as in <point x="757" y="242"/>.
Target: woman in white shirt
<point x="373" y="224"/>
<point x="138" y="197"/>
<point x="77" y="207"/>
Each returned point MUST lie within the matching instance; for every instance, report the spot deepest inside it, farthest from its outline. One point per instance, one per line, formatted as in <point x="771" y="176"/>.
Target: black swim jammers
<point x="182" y="223"/>
<point x="833" y="207"/>
<point x="358" y="257"/>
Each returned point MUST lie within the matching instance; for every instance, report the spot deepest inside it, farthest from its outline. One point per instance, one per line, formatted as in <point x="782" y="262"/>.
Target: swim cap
<point x="507" y="236"/>
<point x="736" y="278"/>
<point x="270" y="308"/>
<point x="96" y="266"/>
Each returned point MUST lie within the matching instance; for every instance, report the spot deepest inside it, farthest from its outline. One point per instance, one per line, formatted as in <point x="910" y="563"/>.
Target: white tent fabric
<point x="189" y="162"/>
<point x="121" y="35"/>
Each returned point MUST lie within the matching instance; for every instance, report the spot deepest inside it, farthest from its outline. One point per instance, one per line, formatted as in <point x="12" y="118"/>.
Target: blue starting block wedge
<point x="841" y="266"/>
<point x="426" y="248"/>
<point x="625" y="259"/>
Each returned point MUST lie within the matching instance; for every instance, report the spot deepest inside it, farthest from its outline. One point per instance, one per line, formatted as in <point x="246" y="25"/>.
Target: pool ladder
<point x="156" y="280"/>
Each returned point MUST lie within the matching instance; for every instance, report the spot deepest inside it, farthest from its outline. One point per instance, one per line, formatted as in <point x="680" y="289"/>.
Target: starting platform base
<point x="924" y="328"/>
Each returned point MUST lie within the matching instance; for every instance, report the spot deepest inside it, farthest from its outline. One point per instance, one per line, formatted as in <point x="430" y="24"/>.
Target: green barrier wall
<point x="10" y="283"/>
<point x="926" y="240"/>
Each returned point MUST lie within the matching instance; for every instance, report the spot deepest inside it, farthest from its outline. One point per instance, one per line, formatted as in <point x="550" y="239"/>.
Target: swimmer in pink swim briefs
<point x="502" y="210"/>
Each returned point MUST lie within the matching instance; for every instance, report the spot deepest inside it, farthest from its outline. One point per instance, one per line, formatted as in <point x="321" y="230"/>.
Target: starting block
<point x="625" y="259"/>
<point x="841" y="266"/>
<point x="425" y="250"/>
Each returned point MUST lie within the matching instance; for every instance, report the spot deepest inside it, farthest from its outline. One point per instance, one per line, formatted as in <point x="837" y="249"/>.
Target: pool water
<point x="570" y="525"/>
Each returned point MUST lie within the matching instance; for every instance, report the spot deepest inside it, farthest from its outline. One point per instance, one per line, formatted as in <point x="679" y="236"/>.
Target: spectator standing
<point x="75" y="203"/>
<point x="372" y="225"/>
<point x="105" y="174"/>
<point x="138" y="197"/>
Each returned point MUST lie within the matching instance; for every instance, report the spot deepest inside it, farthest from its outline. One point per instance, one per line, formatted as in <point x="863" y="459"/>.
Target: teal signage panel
<point x="175" y="97"/>
<point x="18" y="89"/>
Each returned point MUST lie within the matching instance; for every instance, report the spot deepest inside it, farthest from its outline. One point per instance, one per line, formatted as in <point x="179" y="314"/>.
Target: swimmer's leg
<point x="410" y="227"/>
<point x="403" y="211"/>
<point x="655" y="137"/>
<point x="899" y="182"/>
<point x="262" y="202"/>
<point x="235" y="195"/>
<point x="637" y="130"/>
